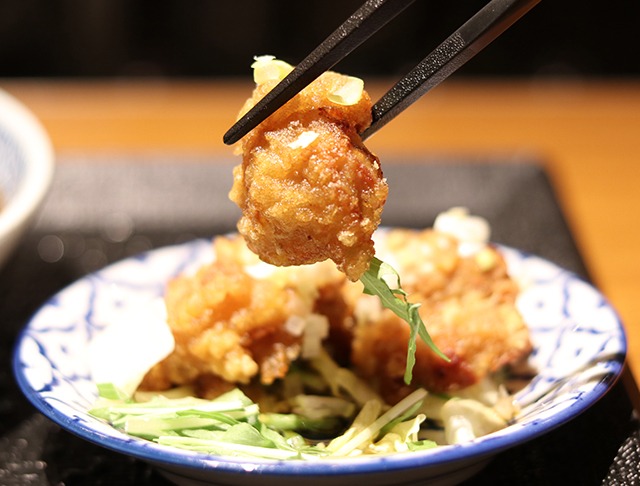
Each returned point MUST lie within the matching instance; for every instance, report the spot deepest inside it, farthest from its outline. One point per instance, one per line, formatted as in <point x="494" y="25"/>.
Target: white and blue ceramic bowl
<point x="579" y="353"/>
<point x="26" y="168"/>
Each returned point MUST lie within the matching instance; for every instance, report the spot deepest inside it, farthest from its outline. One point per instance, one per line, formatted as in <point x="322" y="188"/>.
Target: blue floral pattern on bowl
<point x="579" y="350"/>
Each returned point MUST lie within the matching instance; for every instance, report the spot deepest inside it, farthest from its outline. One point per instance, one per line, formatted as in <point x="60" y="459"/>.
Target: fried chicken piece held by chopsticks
<point x="308" y="188"/>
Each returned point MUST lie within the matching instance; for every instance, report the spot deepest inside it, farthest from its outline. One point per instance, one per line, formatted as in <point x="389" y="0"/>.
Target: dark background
<point x="206" y="38"/>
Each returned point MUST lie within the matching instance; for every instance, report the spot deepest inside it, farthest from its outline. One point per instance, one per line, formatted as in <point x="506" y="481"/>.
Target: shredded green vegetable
<point x="376" y="282"/>
<point x="233" y="425"/>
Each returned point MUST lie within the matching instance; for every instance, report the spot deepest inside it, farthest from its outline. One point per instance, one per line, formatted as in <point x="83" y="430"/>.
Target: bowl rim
<point x="38" y="151"/>
<point x="443" y="456"/>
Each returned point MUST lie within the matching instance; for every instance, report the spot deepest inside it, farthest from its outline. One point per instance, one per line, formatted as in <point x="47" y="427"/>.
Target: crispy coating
<point x="309" y="190"/>
<point x="232" y="327"/>
<point x="468" y="306"/>
<point x="235" y="326"/>
<point x="228" y="325"/>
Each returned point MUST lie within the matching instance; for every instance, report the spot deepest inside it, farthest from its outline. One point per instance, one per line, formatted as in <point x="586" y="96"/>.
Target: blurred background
<point x="204" y="38"/>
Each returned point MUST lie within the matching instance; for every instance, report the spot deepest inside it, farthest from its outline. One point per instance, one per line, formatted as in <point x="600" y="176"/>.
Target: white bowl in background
<point x="26" y="170"/>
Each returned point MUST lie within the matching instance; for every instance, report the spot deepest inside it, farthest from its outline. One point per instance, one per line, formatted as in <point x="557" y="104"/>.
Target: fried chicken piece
<point x="231" y="325"/>
<point x="308" y="188"/>
<point x="468" y="306"/>
<point x="228" y="324"/>
<point x="238" y="319"/>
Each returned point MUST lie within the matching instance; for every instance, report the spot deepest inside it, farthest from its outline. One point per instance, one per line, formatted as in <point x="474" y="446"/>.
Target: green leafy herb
<point x="421" y="445"/>
<point x="383" y="281"/>
<point x="297" y="422"/>
<point x="232" y="424"/>
<point x="111" y="392"/>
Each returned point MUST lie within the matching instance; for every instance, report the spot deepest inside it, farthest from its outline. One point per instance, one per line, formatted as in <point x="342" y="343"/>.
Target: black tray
<point x="104" y="209"/>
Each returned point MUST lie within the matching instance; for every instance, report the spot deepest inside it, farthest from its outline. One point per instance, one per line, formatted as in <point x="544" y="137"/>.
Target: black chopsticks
<point x="485" y="26"/>
<point x="365" y="22"/>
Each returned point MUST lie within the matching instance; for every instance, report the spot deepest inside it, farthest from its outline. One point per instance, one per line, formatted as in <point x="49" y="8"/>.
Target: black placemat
<point x="105" y="209"/>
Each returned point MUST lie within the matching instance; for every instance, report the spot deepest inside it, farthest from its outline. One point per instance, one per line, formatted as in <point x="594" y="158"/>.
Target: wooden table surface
<point x="586" y="132"/>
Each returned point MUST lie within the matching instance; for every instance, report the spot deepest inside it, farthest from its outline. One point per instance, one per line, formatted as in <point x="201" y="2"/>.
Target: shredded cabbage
<point x="345" y="418"/>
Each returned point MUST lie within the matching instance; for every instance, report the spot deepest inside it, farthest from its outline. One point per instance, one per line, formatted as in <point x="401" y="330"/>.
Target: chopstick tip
<point x="231" y="136"/>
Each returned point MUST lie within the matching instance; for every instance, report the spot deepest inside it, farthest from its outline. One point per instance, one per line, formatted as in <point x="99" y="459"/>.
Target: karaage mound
<point x="239" y="321"/>
<point x="230" y="326"/>
<point x="469" y="307"/>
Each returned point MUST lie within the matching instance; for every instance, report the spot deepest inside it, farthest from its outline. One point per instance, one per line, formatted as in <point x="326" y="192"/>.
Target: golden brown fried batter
<point x="468" y="306"/>
<point x="308" y="188"/>
<point x="227" y="324"/>
<point x="232" y="325"/>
